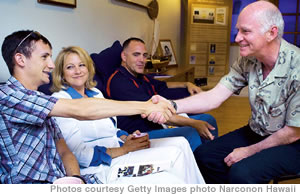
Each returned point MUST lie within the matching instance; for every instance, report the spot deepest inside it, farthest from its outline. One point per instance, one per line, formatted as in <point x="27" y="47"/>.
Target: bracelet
<point x="80" y="177"/>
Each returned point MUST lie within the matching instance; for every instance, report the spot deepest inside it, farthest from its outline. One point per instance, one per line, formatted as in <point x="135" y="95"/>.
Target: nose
<point x="51" y="64"/>
<point x="77" y="70"/>
<point x="142" y="59"/>
<point x="238" y="37"/>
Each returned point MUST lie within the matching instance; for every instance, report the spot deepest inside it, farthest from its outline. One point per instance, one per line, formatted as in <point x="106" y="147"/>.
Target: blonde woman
<point x="112" y="154"/>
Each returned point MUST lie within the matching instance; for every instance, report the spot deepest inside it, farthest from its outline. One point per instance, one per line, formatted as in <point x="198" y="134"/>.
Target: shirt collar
<point x="12" y="80"/>
<point x="282" y="63"/>
<point x="75" y="95"/>
<point x="280" y="69"/>
<point x="17" y="84"/>
<point x="127" y="73"/>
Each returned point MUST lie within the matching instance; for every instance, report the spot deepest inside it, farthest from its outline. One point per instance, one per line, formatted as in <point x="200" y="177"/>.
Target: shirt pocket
<point x="277" y="110"/>
<point x="277" y="117"/>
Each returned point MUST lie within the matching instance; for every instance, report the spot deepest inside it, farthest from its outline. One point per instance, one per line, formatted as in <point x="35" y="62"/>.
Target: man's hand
<point x="203" y="128"/>
<point x="192" y="88"/>
<point x="238" y="154"/>
<point x="132" y="144"/>
<point x="160" y="110"/>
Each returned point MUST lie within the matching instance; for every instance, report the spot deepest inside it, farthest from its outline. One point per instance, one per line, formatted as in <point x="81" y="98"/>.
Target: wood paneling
<point x="232" y="114"/>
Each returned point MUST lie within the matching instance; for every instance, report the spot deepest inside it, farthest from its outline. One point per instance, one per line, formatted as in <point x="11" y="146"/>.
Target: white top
<point x="82" y="136"/>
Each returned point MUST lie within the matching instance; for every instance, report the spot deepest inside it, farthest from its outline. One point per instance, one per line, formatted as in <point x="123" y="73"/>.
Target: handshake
<point x="159" y="110"/>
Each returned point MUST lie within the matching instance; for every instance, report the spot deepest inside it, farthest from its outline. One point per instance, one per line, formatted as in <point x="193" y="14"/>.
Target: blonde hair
<point x="57" y="74"/>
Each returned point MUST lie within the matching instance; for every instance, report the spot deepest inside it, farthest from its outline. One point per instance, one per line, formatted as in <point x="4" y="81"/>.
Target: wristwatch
<point x="174" y="104"/>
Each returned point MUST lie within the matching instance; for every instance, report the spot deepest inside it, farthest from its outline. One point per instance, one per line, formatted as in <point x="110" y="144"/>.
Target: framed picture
<point x="64" y="3"/>
<point x="203" y="15"/>
<point x="167" y="50"/>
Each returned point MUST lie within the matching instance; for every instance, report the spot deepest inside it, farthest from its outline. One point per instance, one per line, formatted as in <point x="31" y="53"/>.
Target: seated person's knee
<point x="240" y="174"/>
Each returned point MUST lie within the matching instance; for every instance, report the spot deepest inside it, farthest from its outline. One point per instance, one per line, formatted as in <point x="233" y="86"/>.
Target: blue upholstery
<point x="46" y="87"/>
<point x="106" y="62"/>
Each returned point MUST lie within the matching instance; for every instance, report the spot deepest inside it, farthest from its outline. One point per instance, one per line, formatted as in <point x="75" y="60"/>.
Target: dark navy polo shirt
<point x="123" y="86"/>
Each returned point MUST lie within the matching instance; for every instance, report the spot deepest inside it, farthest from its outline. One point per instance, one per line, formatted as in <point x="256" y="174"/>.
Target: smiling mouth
<point x="141" y="65"/>
<point x="243" y="45"/>
<point x="77" y="77"/>
<point x="48" y="73"/>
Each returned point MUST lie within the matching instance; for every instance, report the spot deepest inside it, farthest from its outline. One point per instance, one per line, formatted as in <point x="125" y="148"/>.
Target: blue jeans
<point x="189" y="133"/>
<point x="258" y="168"/>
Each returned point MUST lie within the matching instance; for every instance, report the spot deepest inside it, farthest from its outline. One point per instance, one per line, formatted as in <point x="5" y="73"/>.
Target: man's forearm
<point x="283" y="136"/>
<point x="198" y="103"/>
<point x="103" y="108"/>
<point x="204" y="101"/>
<point x="71" y="164"/>
<point x="95" y="108"/>
<point x="69" y="160"/>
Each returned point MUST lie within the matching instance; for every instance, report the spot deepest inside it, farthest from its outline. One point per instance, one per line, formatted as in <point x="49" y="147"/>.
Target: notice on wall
<point x="221" y="15"/>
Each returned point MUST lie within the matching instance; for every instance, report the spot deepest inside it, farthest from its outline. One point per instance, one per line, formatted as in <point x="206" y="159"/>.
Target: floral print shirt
<point x="275" y="100"/>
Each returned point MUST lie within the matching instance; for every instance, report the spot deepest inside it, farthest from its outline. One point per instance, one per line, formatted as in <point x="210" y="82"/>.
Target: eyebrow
<point x="46" y="54"/>
<point x="139" y="53"/>
<point x="136" y="53"/>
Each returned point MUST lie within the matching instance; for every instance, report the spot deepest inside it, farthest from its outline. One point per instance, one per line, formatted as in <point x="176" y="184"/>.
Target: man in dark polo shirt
<point x="129" y="83"/>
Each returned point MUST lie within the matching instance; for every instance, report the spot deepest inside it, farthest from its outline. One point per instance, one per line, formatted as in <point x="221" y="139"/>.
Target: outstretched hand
<point x="159" y="116"/>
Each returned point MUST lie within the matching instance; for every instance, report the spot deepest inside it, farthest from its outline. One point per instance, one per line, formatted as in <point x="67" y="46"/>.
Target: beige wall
<point x="93" y="25"/>
<point x="169" y="18"/>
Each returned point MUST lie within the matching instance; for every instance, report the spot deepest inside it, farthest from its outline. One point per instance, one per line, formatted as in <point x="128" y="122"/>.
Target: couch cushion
<point x="46" y="87"/>
<point x="108" y="60"/>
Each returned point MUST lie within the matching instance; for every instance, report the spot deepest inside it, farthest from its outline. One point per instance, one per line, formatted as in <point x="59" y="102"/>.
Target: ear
<point x="19" y="59"/>
<point x="123" y="56"/>
<point x="272" y="33"/>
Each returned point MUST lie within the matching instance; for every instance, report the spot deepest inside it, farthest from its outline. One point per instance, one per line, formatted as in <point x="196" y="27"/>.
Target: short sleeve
<point x="237" y="78"/>
<point x="33" y="108"/>
<point x="55" y="130"/>
<point x="293" y="109"/>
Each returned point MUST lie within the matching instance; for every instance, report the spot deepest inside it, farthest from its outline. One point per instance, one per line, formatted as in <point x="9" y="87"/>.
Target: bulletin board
<point x="208" y="38"/>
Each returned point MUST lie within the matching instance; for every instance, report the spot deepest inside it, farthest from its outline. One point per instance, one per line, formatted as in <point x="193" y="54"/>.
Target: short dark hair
<point x="20" y="42"/>
<point x="127" y="42"/>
